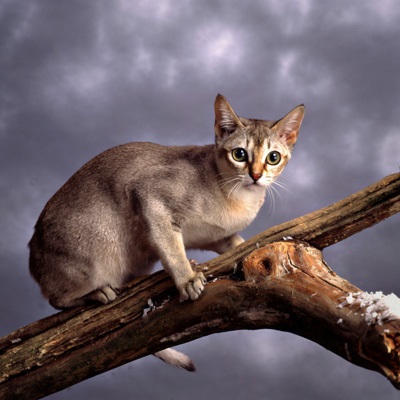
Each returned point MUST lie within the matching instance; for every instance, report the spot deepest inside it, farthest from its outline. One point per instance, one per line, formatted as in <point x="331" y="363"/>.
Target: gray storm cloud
<point x="80" y="77"/>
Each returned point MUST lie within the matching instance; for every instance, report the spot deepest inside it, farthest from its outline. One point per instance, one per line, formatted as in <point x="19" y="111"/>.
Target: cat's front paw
<point x="193" y="288"/>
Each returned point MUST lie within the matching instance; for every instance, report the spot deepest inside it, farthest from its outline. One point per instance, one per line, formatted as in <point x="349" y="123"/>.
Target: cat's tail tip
<point x="176" y="358"/>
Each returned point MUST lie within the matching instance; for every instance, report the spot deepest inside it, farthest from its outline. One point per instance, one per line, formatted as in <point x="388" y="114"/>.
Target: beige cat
<point x="141" y="202"/>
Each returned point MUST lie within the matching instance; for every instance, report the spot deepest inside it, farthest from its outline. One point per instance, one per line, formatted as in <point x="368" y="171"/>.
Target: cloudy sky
<point x="78" y="77"/>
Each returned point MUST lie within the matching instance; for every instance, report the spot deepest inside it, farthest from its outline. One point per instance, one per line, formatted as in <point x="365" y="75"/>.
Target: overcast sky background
<point x="78" y="77"/>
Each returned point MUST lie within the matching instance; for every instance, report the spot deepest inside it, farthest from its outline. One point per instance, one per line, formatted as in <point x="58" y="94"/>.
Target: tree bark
<point x="266" y="282"/>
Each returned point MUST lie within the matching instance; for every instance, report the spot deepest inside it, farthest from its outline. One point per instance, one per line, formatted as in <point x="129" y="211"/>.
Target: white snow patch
<point x="287" y="238"/>
<point x="377" y="307"/>
<point x="148" y="309"/>
<point x="151" y="306"/>
<point x="235" y="268"/>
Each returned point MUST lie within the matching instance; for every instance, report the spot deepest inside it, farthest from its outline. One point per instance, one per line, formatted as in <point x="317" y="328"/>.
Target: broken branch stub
<point x="294" y="280"/>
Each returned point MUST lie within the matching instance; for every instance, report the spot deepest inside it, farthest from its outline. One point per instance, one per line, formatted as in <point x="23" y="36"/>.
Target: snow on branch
<point x="376" y="307"/>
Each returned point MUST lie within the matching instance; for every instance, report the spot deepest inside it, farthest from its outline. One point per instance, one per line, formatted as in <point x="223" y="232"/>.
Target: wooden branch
<point x="284" y="285"/>
<point x="326" y="226"/>
<point x="311" y="301"/>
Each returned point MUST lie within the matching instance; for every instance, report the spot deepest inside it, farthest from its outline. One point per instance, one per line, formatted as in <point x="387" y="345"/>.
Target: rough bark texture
<point x="284" y="285"/>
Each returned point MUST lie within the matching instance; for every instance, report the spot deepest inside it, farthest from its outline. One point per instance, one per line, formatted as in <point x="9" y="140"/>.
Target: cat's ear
<point x="288" y="127"/>
<point x="226" y="120"/>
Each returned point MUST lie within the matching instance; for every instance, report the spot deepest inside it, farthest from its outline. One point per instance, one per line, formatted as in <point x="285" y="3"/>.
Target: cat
<point x="138" y="203"/>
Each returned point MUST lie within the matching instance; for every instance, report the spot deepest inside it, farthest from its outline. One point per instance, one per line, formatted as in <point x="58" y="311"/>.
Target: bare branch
<point x="285" y="285"/>
<point x="328" y="225"/>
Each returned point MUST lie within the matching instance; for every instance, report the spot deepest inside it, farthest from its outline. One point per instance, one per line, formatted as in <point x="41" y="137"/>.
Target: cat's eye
<point x="239" y="154"/>
<point x="273" y="158"/>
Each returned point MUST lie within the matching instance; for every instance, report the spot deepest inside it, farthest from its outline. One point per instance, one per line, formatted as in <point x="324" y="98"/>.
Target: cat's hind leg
<point x="71" y="282"/>
<point x="103" y="295"/>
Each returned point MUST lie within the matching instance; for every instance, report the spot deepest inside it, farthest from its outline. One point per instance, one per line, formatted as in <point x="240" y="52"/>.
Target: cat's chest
<point x="238" y="214"/>
<point x="219" y="222"/>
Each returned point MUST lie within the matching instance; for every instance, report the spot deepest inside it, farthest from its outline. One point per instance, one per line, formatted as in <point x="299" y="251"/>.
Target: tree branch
<point x="284" y="285"/>
<point x="328" y="225"/>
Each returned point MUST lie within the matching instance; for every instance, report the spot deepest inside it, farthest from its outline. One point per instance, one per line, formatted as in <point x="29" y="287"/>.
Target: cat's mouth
<point x="256" y="184"/>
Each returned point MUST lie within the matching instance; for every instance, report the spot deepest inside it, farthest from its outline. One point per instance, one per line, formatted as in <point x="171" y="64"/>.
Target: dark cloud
<point x="79" y="77"/>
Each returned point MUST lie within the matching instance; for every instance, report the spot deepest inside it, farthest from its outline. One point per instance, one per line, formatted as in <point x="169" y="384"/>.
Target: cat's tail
<point x="177" y="359"/>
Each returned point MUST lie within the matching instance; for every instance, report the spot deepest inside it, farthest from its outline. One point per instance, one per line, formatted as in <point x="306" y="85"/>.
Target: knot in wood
<point x="278" y="259"/>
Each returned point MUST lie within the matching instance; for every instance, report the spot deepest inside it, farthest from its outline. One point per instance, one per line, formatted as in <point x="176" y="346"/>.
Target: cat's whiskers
<point x="273" y="194"/>
<point x="233" y="183"/>
<point x="235" y="188"/>
<point x="271" y="199"/>
<point x="281" y="185"/>
<point x="230" y="179"/>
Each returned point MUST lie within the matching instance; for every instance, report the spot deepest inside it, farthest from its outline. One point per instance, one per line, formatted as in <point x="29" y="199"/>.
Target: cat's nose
<point x="255" y="176"/>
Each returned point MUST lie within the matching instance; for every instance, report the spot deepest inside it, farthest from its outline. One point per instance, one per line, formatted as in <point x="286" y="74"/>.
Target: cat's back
<point x="105" y="180"/>
<point x="103" y="173"/>
<point x="135" y="157"/>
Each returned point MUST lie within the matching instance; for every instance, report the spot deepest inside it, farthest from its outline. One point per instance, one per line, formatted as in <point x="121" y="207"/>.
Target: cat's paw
<point x="104" y="295"/>
<point x="193" y="288"/>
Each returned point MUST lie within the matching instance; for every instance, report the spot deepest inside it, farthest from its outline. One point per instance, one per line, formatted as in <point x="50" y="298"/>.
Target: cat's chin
<point x="256" y="186"/>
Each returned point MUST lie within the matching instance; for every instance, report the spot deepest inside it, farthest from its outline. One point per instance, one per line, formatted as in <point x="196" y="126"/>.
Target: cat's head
<point x="252" y="153"/>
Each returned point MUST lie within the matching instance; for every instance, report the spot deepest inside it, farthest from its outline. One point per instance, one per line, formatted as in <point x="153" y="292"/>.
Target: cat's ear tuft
<point x="226" y="121"/>
<point x="288" y="127"/>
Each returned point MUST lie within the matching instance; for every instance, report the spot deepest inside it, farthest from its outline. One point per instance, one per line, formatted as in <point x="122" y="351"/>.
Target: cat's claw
<point x="193" y="264"/>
